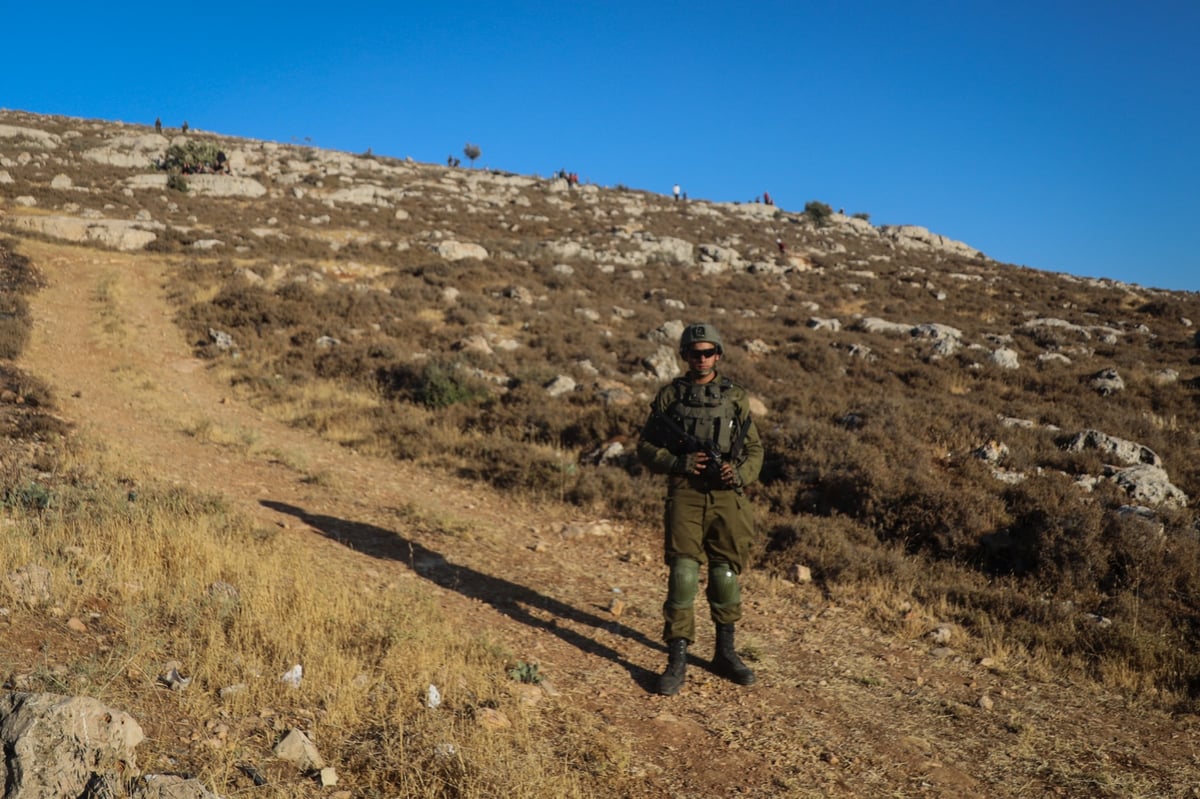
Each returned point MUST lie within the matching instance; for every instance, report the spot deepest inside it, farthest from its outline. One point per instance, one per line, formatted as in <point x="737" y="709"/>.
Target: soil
<point x="842" y="707"/>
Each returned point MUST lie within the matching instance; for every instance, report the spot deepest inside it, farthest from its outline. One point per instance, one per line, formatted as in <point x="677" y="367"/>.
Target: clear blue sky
<point x="1058" y="135"/>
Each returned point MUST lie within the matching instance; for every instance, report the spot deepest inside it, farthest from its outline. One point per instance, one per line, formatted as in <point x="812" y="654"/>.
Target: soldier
<point x="701" y="435"/>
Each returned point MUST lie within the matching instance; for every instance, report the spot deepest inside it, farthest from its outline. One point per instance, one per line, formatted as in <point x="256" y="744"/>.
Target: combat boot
<point x="672" y="679"/>
<point x="725" y="660"/>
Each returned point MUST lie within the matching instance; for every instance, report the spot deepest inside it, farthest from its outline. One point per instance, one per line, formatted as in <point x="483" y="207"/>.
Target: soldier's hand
<point x="691" y="463"/>
<point x="730" y="476"/>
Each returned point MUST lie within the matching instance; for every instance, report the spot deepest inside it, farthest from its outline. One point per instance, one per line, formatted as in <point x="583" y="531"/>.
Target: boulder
<point x="134" y="151"/>
<point x="663" y="363"/>
<point x="1057" y="324"/>
<point x="668" y="248"/>
<point x="30" y="136"/>
<point x="120" y="234"/>
<point x="562" y="384"/>
<point x="225" y="186"/>
<point x="936" y="331"/>
<point x="914" y="236"/>
<point x="1005" y="358"/>
<point x="457" y="250"/>
<point x="1125" y="452"/>
<point x="871" y="324"/>
<point x="56" y="745"/>
<point x="818" y="323"/>
<point x="1149" y="485"/>
<point x="1107" y="382"/>
<point x="30" y="584"/>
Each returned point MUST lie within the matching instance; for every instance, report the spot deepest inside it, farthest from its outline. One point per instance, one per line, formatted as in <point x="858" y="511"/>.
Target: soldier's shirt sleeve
<point x="650" y="450"/>
<point x="751" y="461"/>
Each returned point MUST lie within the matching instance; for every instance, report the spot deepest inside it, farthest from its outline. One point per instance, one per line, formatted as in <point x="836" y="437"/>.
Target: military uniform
<point x="707" y="518"/>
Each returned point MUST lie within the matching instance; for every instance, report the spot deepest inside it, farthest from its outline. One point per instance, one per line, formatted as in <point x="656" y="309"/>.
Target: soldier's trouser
<point x="704" y="527"/>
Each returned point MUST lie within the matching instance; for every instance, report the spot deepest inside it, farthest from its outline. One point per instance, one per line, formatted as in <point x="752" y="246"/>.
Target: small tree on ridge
<point x="818" y="212"/>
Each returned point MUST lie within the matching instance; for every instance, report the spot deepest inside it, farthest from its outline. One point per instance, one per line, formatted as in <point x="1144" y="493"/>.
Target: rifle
<point x="691" y="443"/>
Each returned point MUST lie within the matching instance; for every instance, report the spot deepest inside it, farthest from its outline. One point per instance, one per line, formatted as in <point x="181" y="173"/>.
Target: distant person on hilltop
<point x="700" y="434"/>
<point x="767" y="198"/>
<point x="675" y="192"/>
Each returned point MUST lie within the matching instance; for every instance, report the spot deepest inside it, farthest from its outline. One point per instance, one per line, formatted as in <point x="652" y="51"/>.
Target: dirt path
<point x="841" y="709"/>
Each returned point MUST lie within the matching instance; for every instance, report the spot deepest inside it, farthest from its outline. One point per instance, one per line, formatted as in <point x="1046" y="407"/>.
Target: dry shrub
<point x="1056" y="535"/>
<point x="838" y="549"/>
<point x="876" y="449"/>
<point x="540" y="471"/>
<point x="434" y="384"/>
<point x="939" y="516"/>
<point x="17" y="278"/>
<point x="613" y="491"/>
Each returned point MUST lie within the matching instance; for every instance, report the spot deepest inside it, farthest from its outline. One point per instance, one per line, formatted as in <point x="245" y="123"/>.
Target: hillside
<point x="424" y="376"/>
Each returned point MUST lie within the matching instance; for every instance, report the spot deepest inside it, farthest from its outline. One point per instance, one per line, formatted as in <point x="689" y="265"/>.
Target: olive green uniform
<point x="706" y="522"/>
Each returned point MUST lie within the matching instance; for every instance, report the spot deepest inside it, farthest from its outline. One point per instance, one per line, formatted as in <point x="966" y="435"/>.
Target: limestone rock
<point x="457" y="250"/>
<point x="1126" y="452"/>
<point x="56" y="745"/>
<point x="298" y="748"/>
<point x="119" y="234"/>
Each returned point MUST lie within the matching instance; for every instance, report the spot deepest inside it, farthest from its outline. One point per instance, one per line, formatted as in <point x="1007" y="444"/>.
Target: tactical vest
<point x="707" y="411"/>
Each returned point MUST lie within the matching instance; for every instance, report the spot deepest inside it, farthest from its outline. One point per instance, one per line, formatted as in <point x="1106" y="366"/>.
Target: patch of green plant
<point x="29" y="496"/>
<point x="441" y="386"/>
<point x="527" y="673"/>
<point x="818" y="212"/>
<point x="192" y="156"/>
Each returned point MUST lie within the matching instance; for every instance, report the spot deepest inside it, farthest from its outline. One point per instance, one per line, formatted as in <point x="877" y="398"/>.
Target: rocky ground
<point x="841" y="708"/>
<point x="855" y="696"/>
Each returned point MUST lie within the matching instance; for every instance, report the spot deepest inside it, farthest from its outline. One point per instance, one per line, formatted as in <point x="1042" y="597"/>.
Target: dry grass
<point x="170" y="576"/>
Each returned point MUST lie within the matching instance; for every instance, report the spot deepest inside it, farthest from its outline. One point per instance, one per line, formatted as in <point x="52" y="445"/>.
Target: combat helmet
<point x="700" y="332"/>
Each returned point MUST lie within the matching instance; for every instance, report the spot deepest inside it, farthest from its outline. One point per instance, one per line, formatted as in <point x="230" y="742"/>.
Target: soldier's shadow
<point x="518" y="602"/>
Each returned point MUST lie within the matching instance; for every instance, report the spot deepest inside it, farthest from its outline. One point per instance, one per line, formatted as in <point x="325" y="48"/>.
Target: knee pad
<point x="723" y="590"/>
<point x="683" y="583"/>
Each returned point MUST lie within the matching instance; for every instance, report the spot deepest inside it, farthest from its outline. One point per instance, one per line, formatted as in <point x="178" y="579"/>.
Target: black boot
<point x="725" y="660"/>
<point x="672" y="679"/>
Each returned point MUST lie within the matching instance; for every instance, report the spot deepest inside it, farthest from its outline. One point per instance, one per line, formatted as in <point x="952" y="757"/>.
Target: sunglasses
<point x="704" y="353"/>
